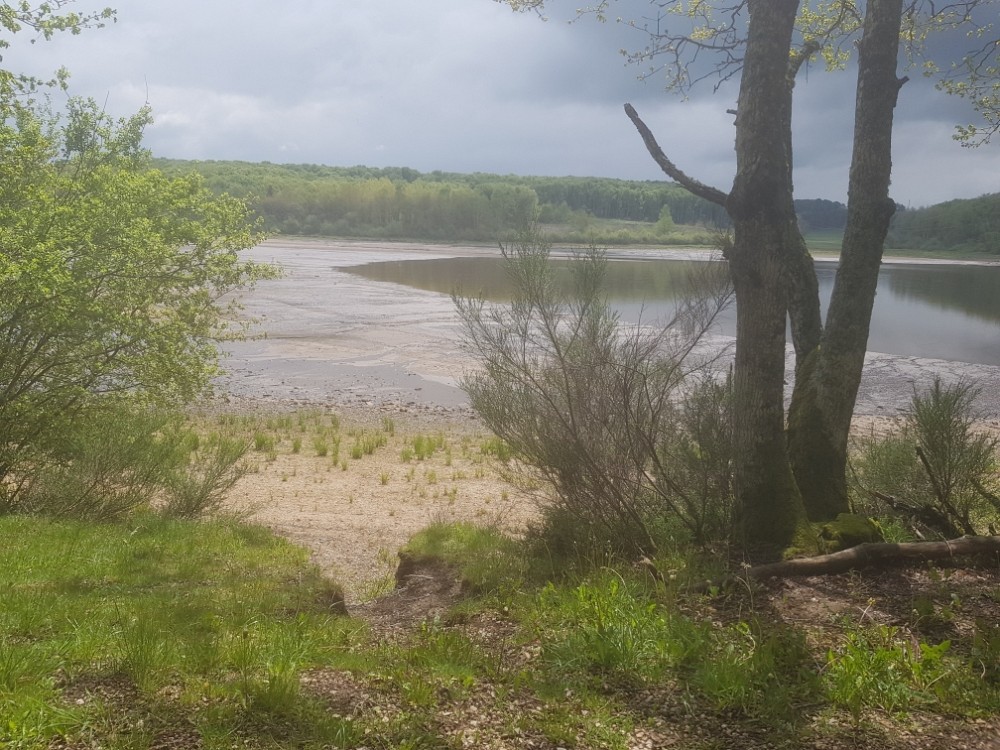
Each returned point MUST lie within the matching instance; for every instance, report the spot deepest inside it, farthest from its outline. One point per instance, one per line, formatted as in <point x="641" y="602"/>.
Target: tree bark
<point x="766" y="242"/>
<point x="828" y="376"/>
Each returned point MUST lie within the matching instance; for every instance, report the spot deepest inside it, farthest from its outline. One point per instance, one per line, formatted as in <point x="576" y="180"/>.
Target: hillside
<point x="968" y="226"/>
<point x="402" y="203"/>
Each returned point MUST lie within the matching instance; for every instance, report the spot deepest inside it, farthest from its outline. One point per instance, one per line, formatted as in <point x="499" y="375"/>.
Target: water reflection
<point x="973" y="290"/>
<point x="943" y="312"/>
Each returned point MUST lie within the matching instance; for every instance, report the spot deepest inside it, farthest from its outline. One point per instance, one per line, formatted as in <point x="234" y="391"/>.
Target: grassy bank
<point x="153" y="633"/>
<point x="179" y="634"/>
<point x="135" y="634"/>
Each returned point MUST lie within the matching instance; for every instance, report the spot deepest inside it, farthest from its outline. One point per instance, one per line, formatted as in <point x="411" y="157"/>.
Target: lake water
<point x="947" y="312"/>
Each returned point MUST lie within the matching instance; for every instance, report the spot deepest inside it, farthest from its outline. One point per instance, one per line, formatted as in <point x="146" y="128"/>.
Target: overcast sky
<point x="461" y="86"/>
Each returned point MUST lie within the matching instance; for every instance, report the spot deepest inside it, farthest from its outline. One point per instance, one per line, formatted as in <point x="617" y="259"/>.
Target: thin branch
<point x="694" y="187"/>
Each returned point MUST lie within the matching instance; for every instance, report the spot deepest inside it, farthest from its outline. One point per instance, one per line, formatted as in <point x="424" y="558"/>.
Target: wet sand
<point x="332" y="338"/>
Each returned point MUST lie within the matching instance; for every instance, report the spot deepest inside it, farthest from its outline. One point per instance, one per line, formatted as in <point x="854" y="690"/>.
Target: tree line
<point x="961" y="225"/>
<point x="400" y="202"/>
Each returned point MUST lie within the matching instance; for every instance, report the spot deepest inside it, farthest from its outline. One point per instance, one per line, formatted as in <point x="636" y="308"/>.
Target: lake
<point x="940" y="311"/>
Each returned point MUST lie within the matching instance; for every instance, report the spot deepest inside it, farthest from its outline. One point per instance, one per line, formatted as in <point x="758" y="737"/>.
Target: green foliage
<point x="401" y="202"/>
<point x="876" y="668"/>
<point x="425" y="446"/>
<point x="45" y="20"/>
<point x="111" y="278"/>
<point x="665" y="222"/>
<point x="938" y="472"/>
<point x="959" y="225"/>
<point x="611" y="629"/>
<point x="199" y="486"/>
<point x="125" y="459"/>
<point x="591" y="406"/>
<point x="404" y="203"/>
<point x="106" y="467"/>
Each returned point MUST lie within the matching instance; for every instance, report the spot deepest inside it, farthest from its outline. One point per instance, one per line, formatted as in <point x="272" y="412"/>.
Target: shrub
<point x="113" y="281"/>
<point x="938" y="472"/>
<point x="199" y="486"/>
<point x="590" y="406"/>
<point x="106" y="467"/>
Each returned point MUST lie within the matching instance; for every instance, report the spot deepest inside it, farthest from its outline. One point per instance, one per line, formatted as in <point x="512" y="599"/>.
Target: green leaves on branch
<point x="112" y="275"/>
<point x="45" y="19"/>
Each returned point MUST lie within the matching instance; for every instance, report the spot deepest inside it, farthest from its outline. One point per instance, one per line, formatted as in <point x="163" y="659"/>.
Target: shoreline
<point x="367" y="350"/>
<point x="331" y="338"/>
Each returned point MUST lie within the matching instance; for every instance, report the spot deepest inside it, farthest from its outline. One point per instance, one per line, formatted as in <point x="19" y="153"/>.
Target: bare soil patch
<point x="355" y="514"/>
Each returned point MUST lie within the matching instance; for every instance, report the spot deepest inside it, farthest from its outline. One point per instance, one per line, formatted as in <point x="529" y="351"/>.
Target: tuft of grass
<point x="496" y="447"/>
<point x="321" y="446"/>
<point x="264" y="442"/>
<point x="424" y="446"/>
<point x="487" y="560"/>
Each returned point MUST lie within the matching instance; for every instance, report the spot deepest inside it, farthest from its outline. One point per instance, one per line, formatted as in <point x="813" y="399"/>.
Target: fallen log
<point x="862" y="556"/>
<point x="874" y="553"/>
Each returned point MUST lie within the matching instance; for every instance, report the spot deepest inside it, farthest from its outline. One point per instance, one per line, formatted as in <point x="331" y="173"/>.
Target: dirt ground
<point x="355" y="514"/>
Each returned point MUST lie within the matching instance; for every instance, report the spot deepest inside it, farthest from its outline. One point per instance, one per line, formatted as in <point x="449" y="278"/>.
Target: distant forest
<point x="402" y="203"/>
<point x="966" y="226"/>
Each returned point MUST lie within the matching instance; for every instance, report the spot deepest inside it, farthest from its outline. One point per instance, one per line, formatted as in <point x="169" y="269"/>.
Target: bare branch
<point x="694" y="187"/>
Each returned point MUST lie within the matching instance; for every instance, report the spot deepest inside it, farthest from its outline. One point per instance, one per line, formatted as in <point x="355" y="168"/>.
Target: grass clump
<point x="487" y="560"/>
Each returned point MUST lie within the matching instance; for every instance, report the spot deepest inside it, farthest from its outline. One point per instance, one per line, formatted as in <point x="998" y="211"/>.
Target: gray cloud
<point x="461" y="85"/>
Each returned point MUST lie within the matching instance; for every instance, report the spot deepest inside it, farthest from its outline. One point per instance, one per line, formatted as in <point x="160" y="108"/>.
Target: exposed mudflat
<point x="330" y="337"/>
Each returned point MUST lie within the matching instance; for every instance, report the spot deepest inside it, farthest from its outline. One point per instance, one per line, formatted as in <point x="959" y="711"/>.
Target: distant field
<point x="824" y="242"/>
<point x="829" y="243"/>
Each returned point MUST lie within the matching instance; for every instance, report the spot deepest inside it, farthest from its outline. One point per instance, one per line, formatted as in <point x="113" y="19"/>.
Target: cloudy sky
<point x="461" y="86"/>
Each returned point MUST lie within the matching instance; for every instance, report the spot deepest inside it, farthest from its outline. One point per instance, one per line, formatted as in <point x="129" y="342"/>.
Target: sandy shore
<point x="335" y="341"/>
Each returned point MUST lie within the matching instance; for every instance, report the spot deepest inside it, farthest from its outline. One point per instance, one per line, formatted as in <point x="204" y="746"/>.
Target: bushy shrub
<point x="199" y="486"/>
<point x="104" y="468"/>
<point x="937" y="471"/>
<point x="127" y="457"/>
<point x="596" y="409"/>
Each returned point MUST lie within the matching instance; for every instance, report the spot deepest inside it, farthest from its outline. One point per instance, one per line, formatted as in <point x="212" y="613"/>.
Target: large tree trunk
<point x="766" y="240"/>
<point x="827" y="378"/>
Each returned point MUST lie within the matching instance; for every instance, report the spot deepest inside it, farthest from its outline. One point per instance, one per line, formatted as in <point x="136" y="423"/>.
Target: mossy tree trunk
<point x="784" y="472"/>
<point x="828" y="375"/>
<point x="765" y="240"/>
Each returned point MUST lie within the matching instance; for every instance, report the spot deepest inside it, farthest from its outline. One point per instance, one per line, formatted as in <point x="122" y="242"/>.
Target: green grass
<point x="111" y="630"/>
<point x="122" y="635"/>
<point x="828" y="242"/>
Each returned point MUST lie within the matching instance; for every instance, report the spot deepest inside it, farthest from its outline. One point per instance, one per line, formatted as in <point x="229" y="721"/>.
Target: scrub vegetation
<point x="140" y="610"/>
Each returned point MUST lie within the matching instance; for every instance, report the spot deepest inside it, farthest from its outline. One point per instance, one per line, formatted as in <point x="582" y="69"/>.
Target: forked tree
<point x="791" y="467"/>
